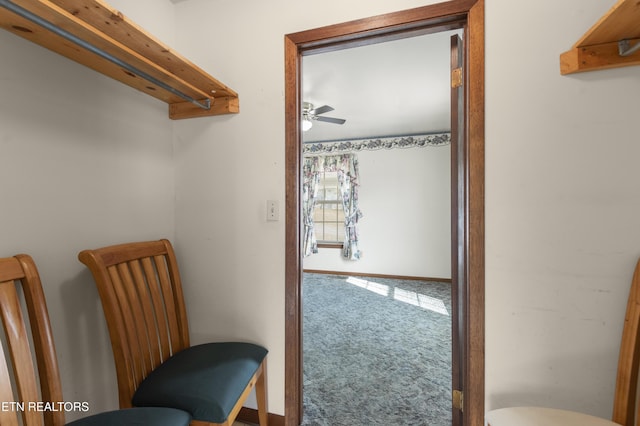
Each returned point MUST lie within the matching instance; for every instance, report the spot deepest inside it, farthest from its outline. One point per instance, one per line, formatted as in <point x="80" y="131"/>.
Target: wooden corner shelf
<point x="106" y="34"/>
<point x="599" y="47"/>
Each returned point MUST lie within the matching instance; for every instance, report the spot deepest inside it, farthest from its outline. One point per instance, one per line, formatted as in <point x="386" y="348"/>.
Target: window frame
<point x="322" y="186"/>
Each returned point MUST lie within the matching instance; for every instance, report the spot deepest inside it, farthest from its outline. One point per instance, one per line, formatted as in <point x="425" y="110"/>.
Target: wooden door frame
<point x="467" y="14"/>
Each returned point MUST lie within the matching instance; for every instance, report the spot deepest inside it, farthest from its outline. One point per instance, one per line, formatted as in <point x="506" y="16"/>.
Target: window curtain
<point x="311" y="169"/>
<point x="346" y="166"/>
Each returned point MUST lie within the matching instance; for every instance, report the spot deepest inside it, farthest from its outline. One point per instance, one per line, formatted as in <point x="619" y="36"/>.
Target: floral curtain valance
<point x="414" y="141"/>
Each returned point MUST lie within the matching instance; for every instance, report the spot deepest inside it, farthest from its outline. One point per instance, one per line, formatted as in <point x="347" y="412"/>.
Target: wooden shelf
<point x="598" y="47"/>
<point x="98" y="24"/>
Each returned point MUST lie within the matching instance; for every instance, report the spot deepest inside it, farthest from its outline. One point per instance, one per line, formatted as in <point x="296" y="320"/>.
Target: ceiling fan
<point x="309" y="113"/>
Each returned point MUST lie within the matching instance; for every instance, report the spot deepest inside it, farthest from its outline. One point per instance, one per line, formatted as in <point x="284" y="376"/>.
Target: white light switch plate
<point x="272" y="210"/>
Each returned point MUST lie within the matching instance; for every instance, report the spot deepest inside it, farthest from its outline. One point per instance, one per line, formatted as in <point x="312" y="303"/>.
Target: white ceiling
<point x="399" y="87"/>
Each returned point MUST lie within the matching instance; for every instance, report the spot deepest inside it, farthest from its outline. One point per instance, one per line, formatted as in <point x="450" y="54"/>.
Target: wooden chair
<point x="25" y="401"/>
<point x="624" y="404"/>
<point x="141" y="293"/>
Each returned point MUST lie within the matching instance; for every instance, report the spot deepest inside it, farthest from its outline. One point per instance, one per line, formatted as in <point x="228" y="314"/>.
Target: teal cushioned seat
<point x="147" y="416"/>
<point x="204" y="380"/>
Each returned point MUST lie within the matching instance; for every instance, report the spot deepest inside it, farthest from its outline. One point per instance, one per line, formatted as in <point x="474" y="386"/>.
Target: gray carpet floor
<point x="376" y="352"/>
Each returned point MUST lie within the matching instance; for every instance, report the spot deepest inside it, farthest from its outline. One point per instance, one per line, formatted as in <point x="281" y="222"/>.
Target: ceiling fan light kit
<point x="306" y="123"/>
<point x="309" y="114"/>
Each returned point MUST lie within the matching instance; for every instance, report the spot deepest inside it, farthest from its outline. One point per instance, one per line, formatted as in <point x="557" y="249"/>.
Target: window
<point x="331" y="193"/>
<point x="328" y="215"/>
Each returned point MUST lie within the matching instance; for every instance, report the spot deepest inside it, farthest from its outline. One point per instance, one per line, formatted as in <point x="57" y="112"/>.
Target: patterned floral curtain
<point x="311" y="170"/>
<point x="346" y="166"/>
<point x="349" y="179"/>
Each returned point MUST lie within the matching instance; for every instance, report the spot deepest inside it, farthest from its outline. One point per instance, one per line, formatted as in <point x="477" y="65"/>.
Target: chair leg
<point x="261" y="395"/>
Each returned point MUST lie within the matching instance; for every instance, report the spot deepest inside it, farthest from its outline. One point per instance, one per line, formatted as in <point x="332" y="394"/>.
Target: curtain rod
<point x="18" y="10"/>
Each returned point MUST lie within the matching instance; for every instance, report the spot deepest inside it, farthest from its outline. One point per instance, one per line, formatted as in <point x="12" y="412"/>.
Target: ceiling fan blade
<point x="321" y="110"/>
<point x="331" y="120"/>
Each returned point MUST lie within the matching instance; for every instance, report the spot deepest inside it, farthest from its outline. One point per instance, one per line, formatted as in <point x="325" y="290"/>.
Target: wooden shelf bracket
<point x="93" y="34"/>
<point x="611" y="43"/>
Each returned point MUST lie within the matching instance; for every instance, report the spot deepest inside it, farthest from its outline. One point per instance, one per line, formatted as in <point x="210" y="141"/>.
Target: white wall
<point x="84" y="162"/>
<point x="561" y="197"/>
<point x="405" y="198"/>
<point x="562" y="205"/>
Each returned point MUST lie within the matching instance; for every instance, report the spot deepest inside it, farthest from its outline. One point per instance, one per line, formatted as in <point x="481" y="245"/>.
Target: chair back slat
<point x="137" y="328"/>
<point x="123" y="342"/>
<point x="626" y="395"/>
<point x="151" y="327"/>
<point x="181" y="309"/>
<point x="18" y="343"/>
<point x="142" y="298"/>
<point x="26" y="380"/>
<point x="157" y="301"/>
<point x="170" y="308"/>
<point x="131" y="349"/>
<point x="7" y="417"/>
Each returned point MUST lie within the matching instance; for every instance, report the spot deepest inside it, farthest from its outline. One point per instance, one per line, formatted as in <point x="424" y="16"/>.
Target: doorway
<point x="468" y="259"/>
<point x="401" y="143"/>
